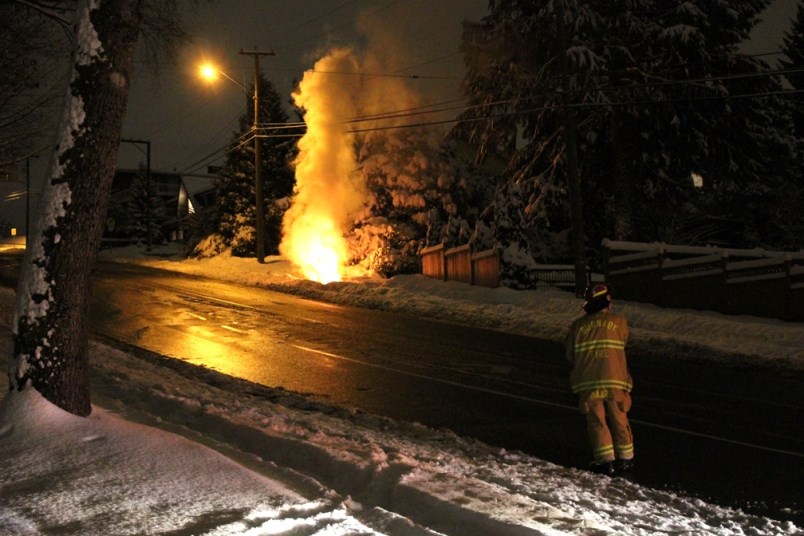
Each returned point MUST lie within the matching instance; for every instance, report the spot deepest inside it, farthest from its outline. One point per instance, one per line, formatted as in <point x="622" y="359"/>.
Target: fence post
<point x="471" y="264"/>
<point x="444" y="262"/>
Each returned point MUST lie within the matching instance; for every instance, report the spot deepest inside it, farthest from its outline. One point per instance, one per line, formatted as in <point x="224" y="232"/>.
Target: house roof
<point x="197" y="184"/>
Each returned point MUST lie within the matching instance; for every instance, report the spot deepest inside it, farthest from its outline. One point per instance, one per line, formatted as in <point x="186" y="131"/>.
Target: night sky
<point x="187" y="120"/>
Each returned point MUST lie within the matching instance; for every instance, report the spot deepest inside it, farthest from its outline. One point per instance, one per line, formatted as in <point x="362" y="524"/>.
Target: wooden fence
<point x="482" y="268"/>
<point x="460" y="264"/>
<point x="731" y="281"/>
<point x="433" y="264"/>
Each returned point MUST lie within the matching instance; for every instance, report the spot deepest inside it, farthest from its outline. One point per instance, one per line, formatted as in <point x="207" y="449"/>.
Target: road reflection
<point x="198" y="346"/>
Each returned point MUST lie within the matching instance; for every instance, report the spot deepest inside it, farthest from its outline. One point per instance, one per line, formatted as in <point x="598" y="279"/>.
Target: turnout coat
<point x="595" y="347"/>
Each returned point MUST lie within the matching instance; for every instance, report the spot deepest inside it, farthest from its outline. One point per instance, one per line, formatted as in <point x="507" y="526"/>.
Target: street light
<point x="210" y="73"/>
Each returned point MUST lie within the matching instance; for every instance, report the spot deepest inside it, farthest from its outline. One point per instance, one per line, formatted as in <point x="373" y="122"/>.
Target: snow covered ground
<point x="174" y="449"/>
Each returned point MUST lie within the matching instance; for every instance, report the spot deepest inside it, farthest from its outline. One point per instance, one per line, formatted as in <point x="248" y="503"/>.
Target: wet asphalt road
<point x="729" y="435"/>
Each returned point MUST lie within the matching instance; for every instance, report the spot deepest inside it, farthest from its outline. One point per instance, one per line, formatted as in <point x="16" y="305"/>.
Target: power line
<point x="282" y="126"/>
<point x="577" y="105"/>
<point x="322" y="15"/>
<point x="485" y="117"/>
<point x="228" y="149"/>
<point x="209" y="142"/>
<point x="417" y="110"/>
<point x="379" y="75"/>
<point x="210" y="157"/>
<point x="430" y="109"/>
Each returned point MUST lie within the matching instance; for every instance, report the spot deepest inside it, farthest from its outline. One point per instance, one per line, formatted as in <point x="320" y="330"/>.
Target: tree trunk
<point x="578" y="240"/>
<point x="50" y="331"/>
<point x="622" y="186"/>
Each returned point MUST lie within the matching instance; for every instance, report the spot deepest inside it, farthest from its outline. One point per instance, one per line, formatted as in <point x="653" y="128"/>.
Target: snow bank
<point x="267" y="461"/>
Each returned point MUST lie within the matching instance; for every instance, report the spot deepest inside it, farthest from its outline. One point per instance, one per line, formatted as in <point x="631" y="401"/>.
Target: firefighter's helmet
<point x="597" y="297"/>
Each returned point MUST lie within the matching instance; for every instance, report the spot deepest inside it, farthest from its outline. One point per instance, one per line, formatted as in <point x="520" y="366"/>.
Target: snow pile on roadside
<point x="62" y="461"/>
<point x="306" y="467"/>
<point x="434" y="478"/>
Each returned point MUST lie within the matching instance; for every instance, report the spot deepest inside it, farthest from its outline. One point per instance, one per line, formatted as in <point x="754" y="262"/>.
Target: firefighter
<point x="595" y="348"/>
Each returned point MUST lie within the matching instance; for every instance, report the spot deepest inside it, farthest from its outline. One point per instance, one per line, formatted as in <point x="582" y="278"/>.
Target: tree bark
<point x="50" y="329"/>
<point x="623" y="188"/>
<point x="578" y="239"/>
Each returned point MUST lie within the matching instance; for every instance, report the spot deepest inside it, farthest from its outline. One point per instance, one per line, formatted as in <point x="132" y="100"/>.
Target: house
<point x="122" y="218"/>
<point x="177" y="197"/>
<point x="197" y="196"/>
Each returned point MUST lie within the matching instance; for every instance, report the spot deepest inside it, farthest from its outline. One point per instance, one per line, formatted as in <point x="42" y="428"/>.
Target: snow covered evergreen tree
<point x="792" y="196"/>
<point x="145" y="210"/>
<point x="420" y="193"/>
<point x="236" y="212"/>
<point x="658" y="91"/>
<point x="510" y="233"/>
<point x="793" y="64"/>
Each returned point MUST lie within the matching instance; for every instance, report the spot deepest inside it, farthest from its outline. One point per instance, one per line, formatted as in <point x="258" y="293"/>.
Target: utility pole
<point x="147" y="189"/>
<point x="257" y="160"/>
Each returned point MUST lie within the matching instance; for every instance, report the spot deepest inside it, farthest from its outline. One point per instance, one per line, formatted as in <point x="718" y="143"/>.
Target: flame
<point x="327" y="192"/>
<point x="330" y="190"/>
<point x="318" y="249"/>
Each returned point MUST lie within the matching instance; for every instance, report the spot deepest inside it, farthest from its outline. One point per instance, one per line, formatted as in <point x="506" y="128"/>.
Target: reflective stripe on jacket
<point x="595" y="347"/>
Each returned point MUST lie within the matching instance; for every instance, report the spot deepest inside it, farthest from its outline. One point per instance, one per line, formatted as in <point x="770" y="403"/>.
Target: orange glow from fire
<point x="327" y="194"/>
<point x="318" y="250"/>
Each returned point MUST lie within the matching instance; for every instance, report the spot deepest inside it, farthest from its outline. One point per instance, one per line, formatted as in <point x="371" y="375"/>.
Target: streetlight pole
<point x="257" y="160"/>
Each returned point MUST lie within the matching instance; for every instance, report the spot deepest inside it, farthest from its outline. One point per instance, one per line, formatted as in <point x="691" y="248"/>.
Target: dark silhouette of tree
<point x="792" y="196"/>
<point x="236" y="214"/>
<point x="793" y="49"/>
<point x="656" y="92"/>
<point x="35" y="59"/>
<point x="50" y="321"/>
<point x="419" y="191"/>
<point x="145" y="210"/>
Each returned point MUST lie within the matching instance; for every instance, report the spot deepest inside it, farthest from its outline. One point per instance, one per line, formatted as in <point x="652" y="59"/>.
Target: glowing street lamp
<point x="210" y="73"/>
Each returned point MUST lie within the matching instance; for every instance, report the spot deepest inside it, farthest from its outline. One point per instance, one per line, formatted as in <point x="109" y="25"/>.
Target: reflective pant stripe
<point x="603" y="453"/>
<point x="602" y="438"/>
<point x="625" y="452"/>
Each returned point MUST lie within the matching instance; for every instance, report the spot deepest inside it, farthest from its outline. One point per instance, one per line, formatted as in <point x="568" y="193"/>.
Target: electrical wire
<point x="379" y="75"/>
<point x="221" y="152"/>
<point x="424" y="110"/>
<point x="209" y="142"/>
<point x="486" y="117"/>
<point x="576" y="105"/>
